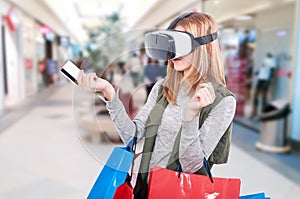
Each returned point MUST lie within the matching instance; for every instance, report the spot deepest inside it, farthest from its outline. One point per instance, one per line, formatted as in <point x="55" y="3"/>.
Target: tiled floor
<point x="43" y="153"/>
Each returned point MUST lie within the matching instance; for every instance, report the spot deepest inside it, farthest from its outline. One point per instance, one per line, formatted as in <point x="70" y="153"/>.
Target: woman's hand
<point x="92" y="83"/>
<point x="204" y="96"/>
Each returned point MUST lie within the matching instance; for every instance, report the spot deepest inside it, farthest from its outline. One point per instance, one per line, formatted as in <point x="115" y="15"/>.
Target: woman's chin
<point x="179" y="67"/>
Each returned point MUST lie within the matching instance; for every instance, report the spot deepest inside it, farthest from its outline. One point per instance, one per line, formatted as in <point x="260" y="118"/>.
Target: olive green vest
<point x="218" y="156"/>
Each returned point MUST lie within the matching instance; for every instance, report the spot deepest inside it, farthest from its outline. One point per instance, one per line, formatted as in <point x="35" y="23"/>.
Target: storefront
<point x="295" y="125"/>
<point x="277" y="36"/>
<point x="34" y="51"/>
<point x="23" y="48"/>
<point x="2" y="93"/>
<point x="246" y="39"/>
<point x="13" y="56"/>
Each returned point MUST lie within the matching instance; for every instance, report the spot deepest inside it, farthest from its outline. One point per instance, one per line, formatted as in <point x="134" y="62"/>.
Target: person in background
<point x="135" y="69"/>
<point x="265" y="76"/>
<point x="42" y="68"/>
<point x="198" y="108"/>
<point x="153" y="72"/>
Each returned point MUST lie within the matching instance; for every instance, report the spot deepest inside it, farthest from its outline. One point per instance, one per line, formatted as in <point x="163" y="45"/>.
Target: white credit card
<point x="70" y="71"/>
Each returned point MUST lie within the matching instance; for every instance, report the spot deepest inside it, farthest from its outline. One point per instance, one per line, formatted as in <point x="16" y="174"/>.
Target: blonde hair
<point x="206" y="63"/>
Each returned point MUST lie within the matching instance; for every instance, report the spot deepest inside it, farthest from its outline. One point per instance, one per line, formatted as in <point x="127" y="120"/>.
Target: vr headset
<point x="171" y="44"/>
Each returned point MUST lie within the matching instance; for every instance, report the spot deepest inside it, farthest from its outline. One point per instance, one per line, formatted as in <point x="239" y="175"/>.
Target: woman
<point x="197" y="105"/>
<point x="153" y="72"/>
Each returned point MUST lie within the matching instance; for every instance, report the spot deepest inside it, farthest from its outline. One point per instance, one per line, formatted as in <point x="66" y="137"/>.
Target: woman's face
<point x="182" y="64"/>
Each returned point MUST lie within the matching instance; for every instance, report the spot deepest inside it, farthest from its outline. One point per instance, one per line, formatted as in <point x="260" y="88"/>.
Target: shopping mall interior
<point x="55" y="138"/>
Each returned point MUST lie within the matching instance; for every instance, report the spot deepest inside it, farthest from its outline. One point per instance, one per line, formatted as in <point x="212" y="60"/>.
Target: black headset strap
<point x="199" y="40"/>
<point x="184" y="15"/>
<point x="205" y="39"/>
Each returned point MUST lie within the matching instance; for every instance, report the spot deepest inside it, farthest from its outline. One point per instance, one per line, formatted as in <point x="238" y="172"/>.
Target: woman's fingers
<point x="88" y="81"/>
<point x="92" y="79"/>
<point x="80" y="78"/>
<point x="205" y="95"/>
<point x="92" y="83"/>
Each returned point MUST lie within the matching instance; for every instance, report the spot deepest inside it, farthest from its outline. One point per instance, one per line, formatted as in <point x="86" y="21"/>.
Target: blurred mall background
<point x="54" y="138"/>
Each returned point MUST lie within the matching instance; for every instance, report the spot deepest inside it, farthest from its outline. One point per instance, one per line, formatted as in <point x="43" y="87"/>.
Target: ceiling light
<point x="243" y="18"/>
<point x="281" y="33"/>
<point x="216" y="2"/>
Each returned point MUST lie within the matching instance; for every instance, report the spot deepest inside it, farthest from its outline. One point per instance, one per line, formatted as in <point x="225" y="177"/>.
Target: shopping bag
<point x="255" y="196"/>
<point x="113" y="173"/>
<point x="169" y="184"/>
<point x="124" y="191"/>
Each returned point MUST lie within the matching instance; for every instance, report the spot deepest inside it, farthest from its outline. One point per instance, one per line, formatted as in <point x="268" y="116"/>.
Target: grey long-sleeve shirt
<point x="195" y="143"/>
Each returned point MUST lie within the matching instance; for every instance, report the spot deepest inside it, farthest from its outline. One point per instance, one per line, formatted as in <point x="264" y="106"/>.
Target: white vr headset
<point x="171" y="44"/>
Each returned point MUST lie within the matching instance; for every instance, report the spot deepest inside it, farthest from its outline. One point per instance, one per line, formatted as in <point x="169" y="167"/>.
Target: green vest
<point x="218" y="156"/>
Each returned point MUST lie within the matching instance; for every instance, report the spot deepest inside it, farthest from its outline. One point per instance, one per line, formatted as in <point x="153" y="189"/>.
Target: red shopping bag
<point x="124" y="191"/>
<point x="168" y="184"/>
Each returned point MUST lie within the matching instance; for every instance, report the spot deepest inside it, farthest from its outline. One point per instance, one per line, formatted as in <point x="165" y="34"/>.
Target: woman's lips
<point x="177" y="59"/>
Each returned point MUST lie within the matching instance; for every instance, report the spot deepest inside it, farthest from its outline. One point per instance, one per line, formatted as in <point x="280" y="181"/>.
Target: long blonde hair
<point x="206" y="63"/>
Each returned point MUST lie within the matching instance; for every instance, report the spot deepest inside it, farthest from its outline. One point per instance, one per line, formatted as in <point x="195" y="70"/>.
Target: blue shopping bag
<point x="113" y="173"/>
<point x="255" y="196"/>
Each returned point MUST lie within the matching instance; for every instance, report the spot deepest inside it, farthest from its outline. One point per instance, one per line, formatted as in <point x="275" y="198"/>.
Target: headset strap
<point x="184" y="15"/>
<point x="205" y="39"/>
<point x="199" y="40"/>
